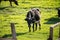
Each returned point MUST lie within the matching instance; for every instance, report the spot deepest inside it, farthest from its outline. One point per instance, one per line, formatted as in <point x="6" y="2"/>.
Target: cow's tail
<point x="16" y="2"/>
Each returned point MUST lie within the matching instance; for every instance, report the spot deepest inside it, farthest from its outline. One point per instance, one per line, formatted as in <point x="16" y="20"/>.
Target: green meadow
<point x="17" y="14"/>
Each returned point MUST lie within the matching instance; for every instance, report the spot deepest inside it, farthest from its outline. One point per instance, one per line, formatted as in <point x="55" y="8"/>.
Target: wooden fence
<point x="51" y="31"/>
<point x="13" y="33"/>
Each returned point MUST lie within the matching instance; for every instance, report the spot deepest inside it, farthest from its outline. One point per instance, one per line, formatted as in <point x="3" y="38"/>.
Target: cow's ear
<point x="37" y="9"/>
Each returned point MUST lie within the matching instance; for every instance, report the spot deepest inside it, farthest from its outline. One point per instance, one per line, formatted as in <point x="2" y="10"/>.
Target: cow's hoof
<point x="39" y="28"/>
<point x="29" y="30"/>
<point x="33" y="31"/>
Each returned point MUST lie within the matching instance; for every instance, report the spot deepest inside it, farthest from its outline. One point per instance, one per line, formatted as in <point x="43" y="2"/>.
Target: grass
<point x="17" y="14"/>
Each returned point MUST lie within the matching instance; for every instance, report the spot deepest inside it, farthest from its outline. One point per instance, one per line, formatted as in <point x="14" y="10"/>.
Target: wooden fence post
<point x="13" y="31"/>
<point x="59" y="32"/>
<point x="51" y="31"/>
<point x="51" y="34"/>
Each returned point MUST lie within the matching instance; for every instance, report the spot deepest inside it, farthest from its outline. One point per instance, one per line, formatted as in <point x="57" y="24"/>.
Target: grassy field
<point x="17" y="14"/>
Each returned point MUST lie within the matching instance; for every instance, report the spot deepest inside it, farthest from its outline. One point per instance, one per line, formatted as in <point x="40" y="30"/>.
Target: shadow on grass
<point x="2" y="8"/>
<point x="10" y="35"/>
<point x="52" y="20"/>
<point x="26" y="2"/>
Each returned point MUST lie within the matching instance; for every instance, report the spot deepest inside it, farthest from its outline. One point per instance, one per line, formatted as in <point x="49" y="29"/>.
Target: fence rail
<point x="51" y="31"/>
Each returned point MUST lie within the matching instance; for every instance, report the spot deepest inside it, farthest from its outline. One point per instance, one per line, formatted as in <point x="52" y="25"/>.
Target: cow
<point x="33" y="17"/>
<point x="15" y="1"/>
<point x="58" y="12"/>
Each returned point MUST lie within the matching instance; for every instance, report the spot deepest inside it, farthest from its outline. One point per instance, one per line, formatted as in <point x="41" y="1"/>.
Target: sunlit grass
<point x="17" y="14"/>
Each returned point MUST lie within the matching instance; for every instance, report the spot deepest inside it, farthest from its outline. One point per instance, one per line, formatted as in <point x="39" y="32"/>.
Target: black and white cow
<point x="15" y="1"/>
<point x="58" y="12"/>
<point x="33" y="17"/>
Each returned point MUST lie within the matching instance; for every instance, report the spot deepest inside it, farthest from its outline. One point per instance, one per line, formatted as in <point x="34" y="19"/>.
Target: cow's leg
<point x="39" y="25"/>
<point x="0" y="1"/>
<point x="29" y="25"/>
<point x="33" y="27"/>
<point x="15" y="1"/>
<point x="10" y="2"/>
<point x="36" y="27"/>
